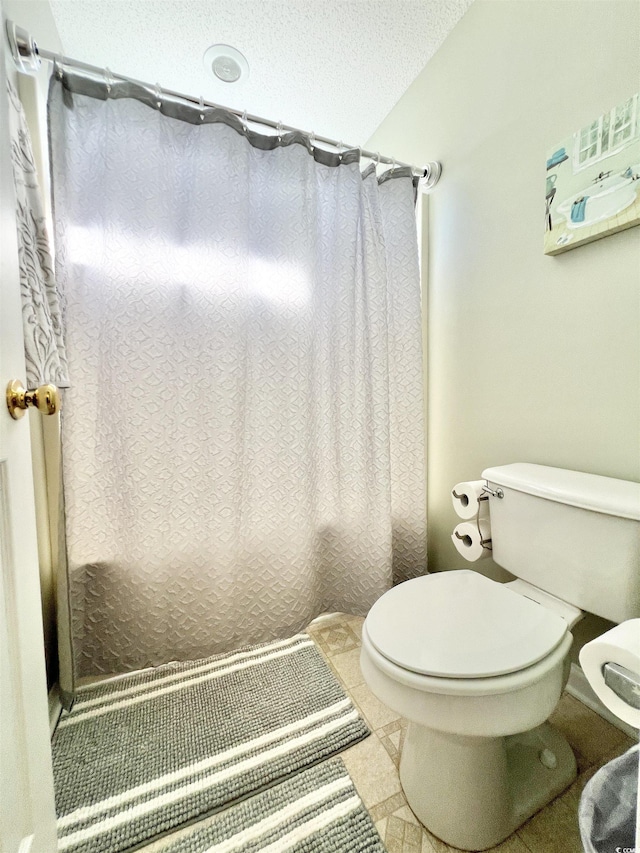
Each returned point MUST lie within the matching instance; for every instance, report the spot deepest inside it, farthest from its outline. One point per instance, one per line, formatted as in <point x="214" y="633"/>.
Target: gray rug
<point x="318" y="811"/>
<point x="142" y="754"/>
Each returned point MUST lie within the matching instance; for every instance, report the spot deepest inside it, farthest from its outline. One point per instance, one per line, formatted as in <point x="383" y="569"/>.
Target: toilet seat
<point x="462" y="625"/>
<point x="466" y="688"/>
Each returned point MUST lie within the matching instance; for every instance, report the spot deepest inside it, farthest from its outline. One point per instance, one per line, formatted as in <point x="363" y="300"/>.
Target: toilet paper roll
<point x="466" y="499"/>
<point x="620" y="645"/>
<point x="468" y="537"/>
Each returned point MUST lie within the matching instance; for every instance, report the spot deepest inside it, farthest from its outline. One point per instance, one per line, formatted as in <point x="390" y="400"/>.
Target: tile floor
<point x="373" y="763"/>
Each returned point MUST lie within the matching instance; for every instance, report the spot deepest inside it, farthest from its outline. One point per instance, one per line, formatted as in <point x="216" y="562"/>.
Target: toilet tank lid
<point x="606" y="495"/>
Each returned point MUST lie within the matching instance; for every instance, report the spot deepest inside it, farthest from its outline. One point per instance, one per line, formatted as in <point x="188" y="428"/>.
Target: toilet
<point x="477" y="667"/>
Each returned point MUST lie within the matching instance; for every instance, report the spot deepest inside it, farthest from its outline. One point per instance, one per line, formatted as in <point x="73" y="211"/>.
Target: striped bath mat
<point x="318" y="811"/>
<point x="140" y="755"/>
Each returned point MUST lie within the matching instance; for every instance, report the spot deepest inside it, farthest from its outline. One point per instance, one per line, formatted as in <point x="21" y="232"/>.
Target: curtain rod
<point x="28" y="57"/>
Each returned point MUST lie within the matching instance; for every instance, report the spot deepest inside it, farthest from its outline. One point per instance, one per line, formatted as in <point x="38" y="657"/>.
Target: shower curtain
<point x="243" y="439"/>
<point x="44" y="351"/>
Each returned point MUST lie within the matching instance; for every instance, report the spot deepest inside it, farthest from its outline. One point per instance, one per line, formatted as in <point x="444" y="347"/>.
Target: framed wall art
<point x="593" y="180"/>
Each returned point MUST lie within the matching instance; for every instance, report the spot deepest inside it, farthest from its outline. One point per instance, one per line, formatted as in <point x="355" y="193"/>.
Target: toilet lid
<point x="461" y="625"/>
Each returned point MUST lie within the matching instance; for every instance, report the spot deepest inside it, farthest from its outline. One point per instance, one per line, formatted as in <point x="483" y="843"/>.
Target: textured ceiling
<point x="336" y="67"/>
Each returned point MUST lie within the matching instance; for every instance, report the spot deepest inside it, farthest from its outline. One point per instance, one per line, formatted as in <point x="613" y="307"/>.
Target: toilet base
<point x="472" y="792"/>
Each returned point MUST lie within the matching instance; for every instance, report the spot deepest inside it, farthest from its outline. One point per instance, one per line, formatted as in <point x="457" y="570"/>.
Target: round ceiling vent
<point x="226" y="63"/>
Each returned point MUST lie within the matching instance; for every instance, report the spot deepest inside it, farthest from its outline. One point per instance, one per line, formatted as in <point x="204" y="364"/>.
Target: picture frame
<point x="593" y="180"/>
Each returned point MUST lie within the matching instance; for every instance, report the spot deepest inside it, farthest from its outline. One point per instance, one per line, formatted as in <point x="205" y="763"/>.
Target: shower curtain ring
<point x="280" y="129"/>
<point x="57" y="67"/>
<point x="158" y="94"/>
<point x="201" y="108"/>
<point x="312" y="141"/>
<point x="340" y="147"/>
<point x="244" y="121"/>
<point x="108" y="77"/>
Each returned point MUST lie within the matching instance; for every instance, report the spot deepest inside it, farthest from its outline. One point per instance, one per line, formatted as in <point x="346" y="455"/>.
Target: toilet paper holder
<point x="624" y="683"/>
<point x="496" y="493"/>
<point x="486" y="543"/>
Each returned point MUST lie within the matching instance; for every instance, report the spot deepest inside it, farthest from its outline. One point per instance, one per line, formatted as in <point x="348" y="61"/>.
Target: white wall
<point x="530" y="357"/>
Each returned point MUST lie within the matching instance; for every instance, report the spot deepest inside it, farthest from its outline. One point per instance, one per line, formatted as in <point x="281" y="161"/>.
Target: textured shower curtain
<point x="243" y="438"/>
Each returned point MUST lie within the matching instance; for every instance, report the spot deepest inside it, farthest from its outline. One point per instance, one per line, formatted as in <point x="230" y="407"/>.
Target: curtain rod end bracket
<point x="432" y="172"/>
<point x="24" y="50"/>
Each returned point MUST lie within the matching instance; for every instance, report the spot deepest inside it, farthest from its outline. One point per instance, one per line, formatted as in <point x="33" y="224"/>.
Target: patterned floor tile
<point x="552" y="830"/>
<point x="591" y="737"/>
<point x="375" y="712"/>
<point x="392" y="738"/>
<point x="398" y="826"/>
<point x="336" y="638"/>
<point x="355" y="623"/>
<point x="347" y="665"/>
<point x="373" y="772"/>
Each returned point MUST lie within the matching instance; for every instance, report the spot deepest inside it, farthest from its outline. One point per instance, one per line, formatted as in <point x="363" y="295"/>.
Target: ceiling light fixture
<point x="226" y="63"/>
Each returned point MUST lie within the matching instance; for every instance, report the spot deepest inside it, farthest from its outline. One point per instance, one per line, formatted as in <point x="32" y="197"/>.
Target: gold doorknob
<point x="46" y="399"/>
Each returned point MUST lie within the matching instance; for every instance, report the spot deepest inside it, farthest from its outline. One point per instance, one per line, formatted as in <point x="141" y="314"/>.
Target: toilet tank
<point x="574" y="535"/>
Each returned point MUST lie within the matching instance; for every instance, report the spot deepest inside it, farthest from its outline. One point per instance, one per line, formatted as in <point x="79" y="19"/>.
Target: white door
<point x="27" y="815"/>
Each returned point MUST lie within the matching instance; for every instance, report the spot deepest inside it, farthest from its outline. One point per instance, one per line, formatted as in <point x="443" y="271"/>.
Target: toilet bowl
<point x="476" y="668"/>
<point x="489" y="663"/>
